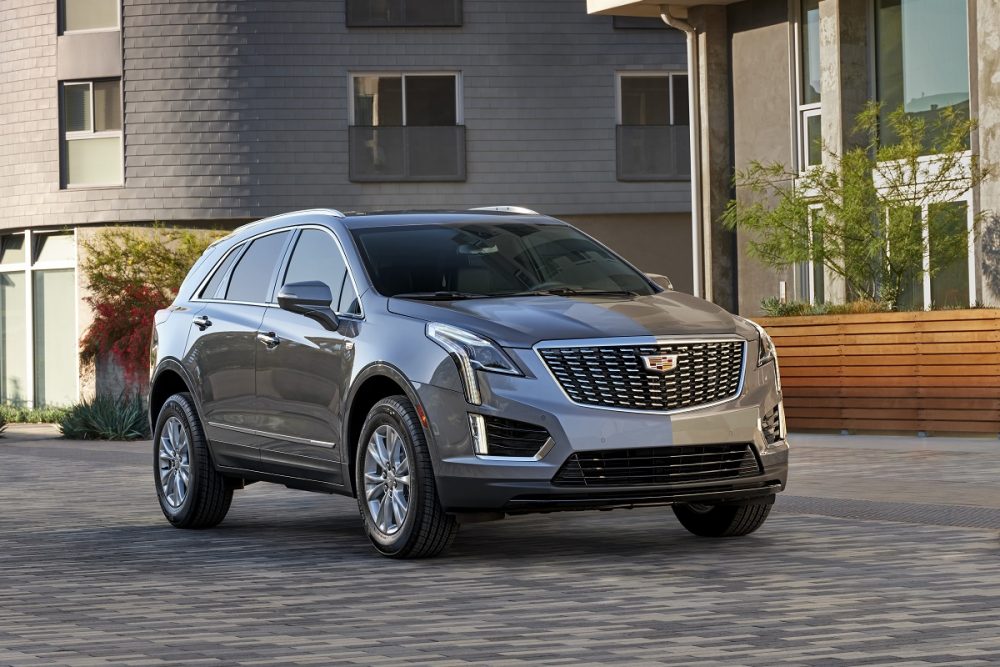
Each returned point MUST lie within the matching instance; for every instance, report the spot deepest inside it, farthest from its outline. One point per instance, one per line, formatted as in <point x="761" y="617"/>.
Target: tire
<point x="723" y="520"/>
<point x="204" y="501"/>
<point x="424" y="529"/>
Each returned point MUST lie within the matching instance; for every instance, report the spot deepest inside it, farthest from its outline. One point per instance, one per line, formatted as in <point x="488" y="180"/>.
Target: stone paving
<point x="864" y="561"/>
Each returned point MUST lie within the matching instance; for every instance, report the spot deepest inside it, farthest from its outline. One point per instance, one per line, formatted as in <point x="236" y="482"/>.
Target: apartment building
<point x="778" y="80"/>
<point x="209" y="114"/>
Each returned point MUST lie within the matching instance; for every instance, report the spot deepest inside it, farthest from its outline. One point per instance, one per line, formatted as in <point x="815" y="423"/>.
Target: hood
<point x="525" y="321"/>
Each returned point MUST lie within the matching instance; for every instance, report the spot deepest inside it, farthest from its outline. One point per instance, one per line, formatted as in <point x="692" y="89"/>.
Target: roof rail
<point x="517" y="210"/>
<point x="329" y="211"/>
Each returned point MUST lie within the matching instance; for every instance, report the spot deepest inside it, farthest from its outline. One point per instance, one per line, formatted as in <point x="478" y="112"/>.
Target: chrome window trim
<point x="244" y="245"/>
<point x="632" y="341"/>
<point x="286" y="256"/>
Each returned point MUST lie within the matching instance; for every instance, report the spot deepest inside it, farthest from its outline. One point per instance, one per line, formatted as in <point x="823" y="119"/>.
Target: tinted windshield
<point x="492" y="260"/>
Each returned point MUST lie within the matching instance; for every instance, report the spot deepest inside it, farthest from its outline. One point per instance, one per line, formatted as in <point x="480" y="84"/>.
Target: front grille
<point x="657" y="466"/>
<point x="616" y="377"/>
<point x="771" y="425"/>
<point x="506" y="437"/>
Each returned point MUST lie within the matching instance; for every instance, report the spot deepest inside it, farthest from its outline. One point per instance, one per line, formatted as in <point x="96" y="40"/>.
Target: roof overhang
<point x="644" y="7"/>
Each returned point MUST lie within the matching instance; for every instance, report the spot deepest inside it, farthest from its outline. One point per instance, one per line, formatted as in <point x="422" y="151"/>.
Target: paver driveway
<point x="869" y="558"/>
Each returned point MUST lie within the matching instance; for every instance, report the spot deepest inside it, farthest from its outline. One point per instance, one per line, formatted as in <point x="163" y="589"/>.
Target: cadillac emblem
<point x="660" y="363"/>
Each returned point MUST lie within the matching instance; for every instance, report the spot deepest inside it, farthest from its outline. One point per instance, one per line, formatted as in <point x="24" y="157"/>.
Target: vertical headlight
<point x="765" y="346"/>
<point x="765" y="349"/>
<point x="471" y="352"/>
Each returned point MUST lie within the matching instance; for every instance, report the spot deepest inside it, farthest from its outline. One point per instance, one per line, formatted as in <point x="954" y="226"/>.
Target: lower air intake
<point x="658" y="466"/>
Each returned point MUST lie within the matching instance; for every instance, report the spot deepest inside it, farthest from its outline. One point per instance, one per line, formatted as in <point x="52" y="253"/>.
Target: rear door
<point x="303" y="370"/>
<point x="222" y="344"/>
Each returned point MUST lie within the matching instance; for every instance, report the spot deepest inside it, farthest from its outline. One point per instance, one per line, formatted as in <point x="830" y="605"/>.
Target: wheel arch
<point x="377" y="381"/>
<point x="170" y="378"/>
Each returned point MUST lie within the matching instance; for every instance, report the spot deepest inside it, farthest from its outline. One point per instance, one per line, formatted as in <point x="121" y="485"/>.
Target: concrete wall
<point x="654" y="243"/>
<point x="762" y="120"/>
<point x="986" y="89"/>
<point x="240" y="110"/>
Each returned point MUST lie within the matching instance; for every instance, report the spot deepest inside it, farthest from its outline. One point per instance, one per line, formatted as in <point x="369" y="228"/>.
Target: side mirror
<point x="311" y="299"/>
<point x="660" y="280"/>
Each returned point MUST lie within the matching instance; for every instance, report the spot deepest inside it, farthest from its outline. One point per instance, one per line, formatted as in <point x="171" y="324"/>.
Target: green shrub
<point x="106" y="418"/>
<point x="773" y="307"/>
<point x="19" y="414"/>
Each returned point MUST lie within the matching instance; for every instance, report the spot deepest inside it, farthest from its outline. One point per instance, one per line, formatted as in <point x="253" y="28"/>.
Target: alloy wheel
<point x="174" y="462"/>
<point x="387" y="480"/>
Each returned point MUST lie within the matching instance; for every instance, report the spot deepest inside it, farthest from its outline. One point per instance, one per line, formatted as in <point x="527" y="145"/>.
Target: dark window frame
<point x="409" y="136"/>
<point x="635" y="143"/>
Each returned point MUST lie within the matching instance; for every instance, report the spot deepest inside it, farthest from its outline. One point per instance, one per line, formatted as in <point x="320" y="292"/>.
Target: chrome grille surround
<point x="609" y="373"/>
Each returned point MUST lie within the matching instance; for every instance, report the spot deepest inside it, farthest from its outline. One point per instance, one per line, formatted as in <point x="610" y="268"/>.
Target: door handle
<point x="270" y="340"/>
<point x="202" y="322"/>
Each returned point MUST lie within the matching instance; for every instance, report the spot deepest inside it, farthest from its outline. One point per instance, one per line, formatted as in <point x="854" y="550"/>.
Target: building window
<point x="810" y="277"/>
<point x="922" y="61"/>
<point x="403" y="13"/>
<point x="88" y="15"/>
<point x="945" y="231"/>
<point x="653" y="139"/>
<point x="38" y="348"/>
<point x="406" y="127"/>
<point x="810" y="122"/>
<point x="92" y="133"/>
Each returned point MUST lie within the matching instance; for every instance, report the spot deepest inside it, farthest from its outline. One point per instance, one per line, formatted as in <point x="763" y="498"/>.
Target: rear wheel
<point x="723" y="520"/>
<point x="191" y="493"/>
<point x="397" y="495"/>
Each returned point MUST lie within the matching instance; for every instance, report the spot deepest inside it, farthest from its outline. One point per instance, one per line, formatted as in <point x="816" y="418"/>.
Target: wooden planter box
<point x="935" y="372"/>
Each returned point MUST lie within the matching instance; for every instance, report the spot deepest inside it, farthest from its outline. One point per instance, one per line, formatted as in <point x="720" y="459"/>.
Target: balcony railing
<point x="403" y="13"/>
<point x="654" y="153"/>
<point x="412" y="153"/>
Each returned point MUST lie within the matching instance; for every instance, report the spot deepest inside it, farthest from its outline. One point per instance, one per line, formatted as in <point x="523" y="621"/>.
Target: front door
<point x="303" y="370"/>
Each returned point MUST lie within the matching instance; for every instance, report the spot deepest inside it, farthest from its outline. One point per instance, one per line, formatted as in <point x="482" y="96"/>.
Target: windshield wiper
<point x="570" y="291"/>
<point x="443" y="295"/>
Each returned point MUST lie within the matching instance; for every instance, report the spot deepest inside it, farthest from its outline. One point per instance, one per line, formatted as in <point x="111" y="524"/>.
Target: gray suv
<point x="452" y="367"/>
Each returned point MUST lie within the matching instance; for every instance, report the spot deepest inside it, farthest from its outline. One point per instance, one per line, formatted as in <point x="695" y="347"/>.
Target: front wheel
<point x="397" y="495"/>
<point x="191" y="492"/>
<point x="723" y="520"/>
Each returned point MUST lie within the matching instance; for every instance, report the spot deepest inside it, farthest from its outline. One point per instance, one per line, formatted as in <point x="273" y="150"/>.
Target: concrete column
<point x="986" y="89"/>
<point x="845" y="84"/>
<point x="844" y="69"/>
<point x="716" y="158"/>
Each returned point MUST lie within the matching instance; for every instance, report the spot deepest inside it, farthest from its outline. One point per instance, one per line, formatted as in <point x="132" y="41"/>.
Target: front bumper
<point x="470" y="483"/>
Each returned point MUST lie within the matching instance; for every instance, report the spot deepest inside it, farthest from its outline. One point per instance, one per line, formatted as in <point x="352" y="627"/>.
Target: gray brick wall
<point x="240" y="109"/>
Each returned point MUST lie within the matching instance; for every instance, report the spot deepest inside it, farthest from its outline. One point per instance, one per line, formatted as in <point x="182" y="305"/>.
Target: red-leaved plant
<point x="132" y="273"/>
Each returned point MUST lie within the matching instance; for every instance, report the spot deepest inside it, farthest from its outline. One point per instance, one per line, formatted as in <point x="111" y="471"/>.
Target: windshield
<point x="483" y="260"/>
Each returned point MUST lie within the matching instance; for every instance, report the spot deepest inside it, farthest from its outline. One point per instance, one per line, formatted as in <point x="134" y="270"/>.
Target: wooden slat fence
<point x="937" y="372"/>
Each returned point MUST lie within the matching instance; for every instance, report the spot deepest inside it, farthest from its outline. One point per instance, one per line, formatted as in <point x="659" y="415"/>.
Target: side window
<point x="211" y="290"/>
<point x="317" y="257"/>
<point x="252" y="276"/>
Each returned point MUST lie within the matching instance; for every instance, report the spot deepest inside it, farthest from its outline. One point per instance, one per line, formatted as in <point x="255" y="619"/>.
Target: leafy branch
<point x="859" y="213"/>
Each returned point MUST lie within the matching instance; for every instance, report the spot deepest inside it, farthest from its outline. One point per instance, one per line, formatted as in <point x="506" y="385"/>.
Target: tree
<point x="859" y="213"/>
<point x="131" y="274"/>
